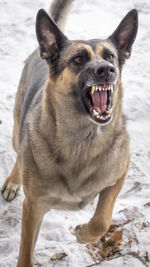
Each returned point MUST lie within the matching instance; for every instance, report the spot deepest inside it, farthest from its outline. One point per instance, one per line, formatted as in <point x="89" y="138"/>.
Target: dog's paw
<point x="9" y="190"/>
<point x="83" y="235"/>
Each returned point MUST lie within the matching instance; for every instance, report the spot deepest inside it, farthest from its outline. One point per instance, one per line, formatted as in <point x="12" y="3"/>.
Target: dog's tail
<point x="59" y="10"/>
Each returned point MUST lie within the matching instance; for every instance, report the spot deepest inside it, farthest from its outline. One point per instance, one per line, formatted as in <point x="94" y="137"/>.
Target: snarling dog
<point x="69" y="131"/>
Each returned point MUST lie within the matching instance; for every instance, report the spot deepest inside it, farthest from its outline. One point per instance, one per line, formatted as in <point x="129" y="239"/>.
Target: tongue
<point x="99" y="100"/>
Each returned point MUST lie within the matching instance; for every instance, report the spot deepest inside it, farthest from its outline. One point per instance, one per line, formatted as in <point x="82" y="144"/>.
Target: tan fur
<point x="17" y="110"/>
<point x="32" y="216"/>
<point x="99" y="50"/>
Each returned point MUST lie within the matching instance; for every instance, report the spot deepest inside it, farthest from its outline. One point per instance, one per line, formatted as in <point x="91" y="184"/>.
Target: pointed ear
<point x="125" y="34"/>
<point x="51" y="39"/>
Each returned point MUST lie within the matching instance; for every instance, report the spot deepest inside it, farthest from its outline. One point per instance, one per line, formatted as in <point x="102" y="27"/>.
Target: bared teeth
<point x="98" y="116"/>
<point x="101" y="88"/>
<point x="104" y="117"/>
<point x="93" y="89"/>
<point x="109" y="111"/>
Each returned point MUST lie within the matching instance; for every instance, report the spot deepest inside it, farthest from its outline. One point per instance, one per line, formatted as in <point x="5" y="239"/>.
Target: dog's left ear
<point x="125" y="34"/>
<point x="51" y="39"/>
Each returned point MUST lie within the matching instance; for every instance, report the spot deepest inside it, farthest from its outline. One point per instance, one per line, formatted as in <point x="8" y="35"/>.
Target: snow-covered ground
<point x="88" y="19"/>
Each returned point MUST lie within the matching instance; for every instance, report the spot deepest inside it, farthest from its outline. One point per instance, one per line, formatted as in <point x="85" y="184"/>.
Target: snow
<point x="127" y="260"/>
<point x="88" y="19"/>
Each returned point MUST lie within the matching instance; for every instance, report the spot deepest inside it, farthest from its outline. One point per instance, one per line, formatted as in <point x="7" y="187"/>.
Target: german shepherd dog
<point x="69" y="132"/>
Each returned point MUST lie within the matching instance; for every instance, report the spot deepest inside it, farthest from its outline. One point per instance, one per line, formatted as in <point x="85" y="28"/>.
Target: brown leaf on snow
<point x="58" y="256"/>
<point x="146" y="256"/>
<point x="104" y="253"/>
<point x="138" y="252"/>
<point x="128" y="221"/>
<point x="147" y="205"/>
<point x="117" y="236"/>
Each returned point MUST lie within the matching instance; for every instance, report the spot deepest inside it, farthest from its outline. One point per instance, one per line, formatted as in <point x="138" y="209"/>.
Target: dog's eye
<point x="80" y="59"/>
<point x="110" y="57"/>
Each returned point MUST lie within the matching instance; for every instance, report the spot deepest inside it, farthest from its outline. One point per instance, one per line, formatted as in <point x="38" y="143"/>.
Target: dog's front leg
<point x="99" y="224"/>
<point x="32" y="216"/>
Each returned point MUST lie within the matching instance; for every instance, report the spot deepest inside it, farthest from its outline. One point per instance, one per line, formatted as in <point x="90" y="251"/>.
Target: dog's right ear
<point x="51" y="39"/>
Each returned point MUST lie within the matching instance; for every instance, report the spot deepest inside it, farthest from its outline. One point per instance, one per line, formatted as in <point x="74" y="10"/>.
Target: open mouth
<point x="98" y="102"/>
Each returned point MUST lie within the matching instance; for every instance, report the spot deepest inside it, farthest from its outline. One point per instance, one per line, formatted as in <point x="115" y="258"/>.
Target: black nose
<point x="105" y="72"/>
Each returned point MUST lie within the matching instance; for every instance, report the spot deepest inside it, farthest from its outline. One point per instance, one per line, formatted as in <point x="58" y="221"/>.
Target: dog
<point x="69" y="131"/>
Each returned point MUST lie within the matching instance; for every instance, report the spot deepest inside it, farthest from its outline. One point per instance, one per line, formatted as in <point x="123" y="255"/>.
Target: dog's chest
<point x="78" y="181"/>
<point x="74" y="176"/>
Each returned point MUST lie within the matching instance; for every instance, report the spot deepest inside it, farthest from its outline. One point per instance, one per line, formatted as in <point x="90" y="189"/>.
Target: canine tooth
<point x="111" y="88"/>
<point x="95" y="112"/>
<point x="97" y="87"/>
<point x="93" y="89"/>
